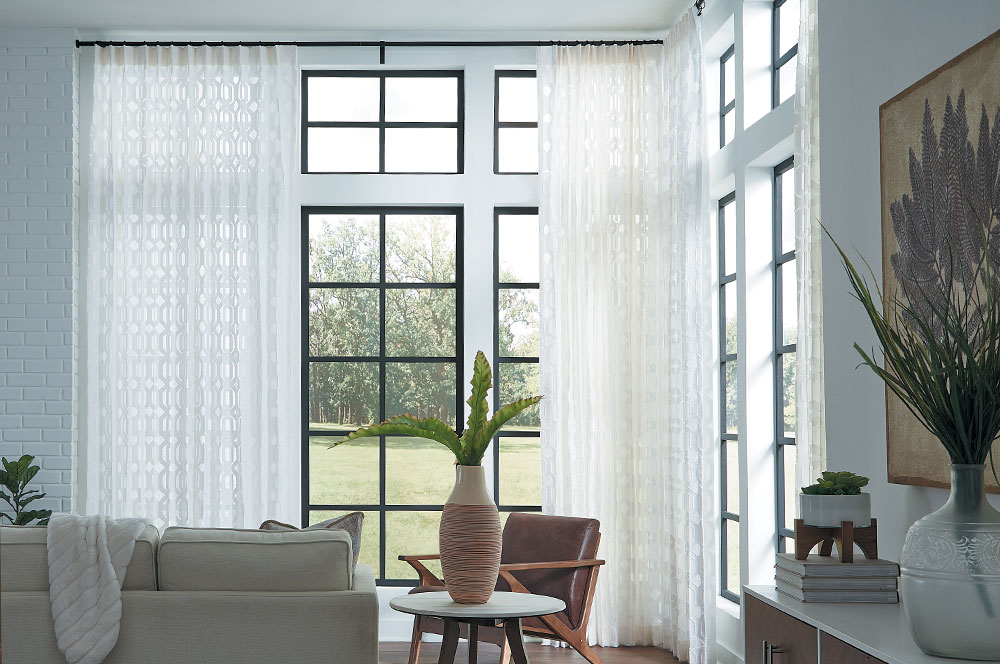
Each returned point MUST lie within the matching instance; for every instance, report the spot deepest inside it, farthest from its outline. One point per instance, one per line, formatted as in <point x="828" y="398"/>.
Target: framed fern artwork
<point x="940" y="146"/>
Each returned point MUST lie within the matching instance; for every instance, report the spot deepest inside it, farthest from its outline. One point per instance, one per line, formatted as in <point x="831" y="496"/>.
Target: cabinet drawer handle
<point x="767" y="652"/>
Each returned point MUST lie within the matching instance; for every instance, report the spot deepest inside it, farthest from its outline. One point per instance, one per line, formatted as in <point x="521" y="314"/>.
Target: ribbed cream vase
<point x="470" y="538"/>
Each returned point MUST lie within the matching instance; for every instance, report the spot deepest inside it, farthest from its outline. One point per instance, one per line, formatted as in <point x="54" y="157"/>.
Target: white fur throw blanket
<point x="88" y="556"/>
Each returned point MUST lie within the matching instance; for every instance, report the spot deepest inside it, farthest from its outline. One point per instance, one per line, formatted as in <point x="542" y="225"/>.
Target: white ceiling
<point x="603" y="16"/>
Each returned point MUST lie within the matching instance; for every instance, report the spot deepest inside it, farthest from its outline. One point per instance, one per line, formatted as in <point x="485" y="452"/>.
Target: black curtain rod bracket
<point x="382" y="45"/>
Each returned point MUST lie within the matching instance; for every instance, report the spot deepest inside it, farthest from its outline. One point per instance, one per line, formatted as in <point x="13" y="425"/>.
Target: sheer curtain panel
<point x="810" y="416"/>
<point x="627" y="328"/>
<point x="191" y="286"/>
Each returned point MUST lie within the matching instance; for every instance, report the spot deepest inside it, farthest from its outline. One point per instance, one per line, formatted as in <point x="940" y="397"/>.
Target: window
<point x="784" y="49"/>
<point x="515" y="125"/>
<point x="729" y="468"/>
<point x="785" y="329"/>
<point x="517" y="448"/>
<point x="381" y="336"/>
<point x="383" y="121"/>
<point x="727" y="96"/>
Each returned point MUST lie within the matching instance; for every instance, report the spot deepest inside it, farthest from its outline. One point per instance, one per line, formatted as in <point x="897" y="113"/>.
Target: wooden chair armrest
<point x="555" y="564"/>
<point x="427" y="577"/>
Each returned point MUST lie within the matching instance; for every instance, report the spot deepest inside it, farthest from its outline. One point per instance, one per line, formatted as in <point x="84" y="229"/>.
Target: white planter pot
<point x="829" y="511"/>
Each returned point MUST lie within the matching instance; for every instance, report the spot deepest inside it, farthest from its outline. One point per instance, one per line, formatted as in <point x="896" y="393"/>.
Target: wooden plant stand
<point x="806" y="537"/>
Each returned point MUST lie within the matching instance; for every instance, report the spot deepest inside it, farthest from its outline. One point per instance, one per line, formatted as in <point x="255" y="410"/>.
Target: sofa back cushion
<point x="24" y="560"/>
<point x="254" y="560"/>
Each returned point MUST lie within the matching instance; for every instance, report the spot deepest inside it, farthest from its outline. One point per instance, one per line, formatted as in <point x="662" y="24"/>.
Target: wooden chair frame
<point x="553" y="628"/>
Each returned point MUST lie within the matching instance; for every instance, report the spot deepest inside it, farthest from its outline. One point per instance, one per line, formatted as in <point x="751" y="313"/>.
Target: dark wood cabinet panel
<point x="835" y="651"/>
<point x="788" y="639"/>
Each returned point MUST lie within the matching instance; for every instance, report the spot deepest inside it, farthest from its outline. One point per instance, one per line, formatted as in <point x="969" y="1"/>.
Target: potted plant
<point x="469" y="536"/>
<point x="834" y="498"/>
<point x="941" y="354"/>
<point x="14" y="478"/>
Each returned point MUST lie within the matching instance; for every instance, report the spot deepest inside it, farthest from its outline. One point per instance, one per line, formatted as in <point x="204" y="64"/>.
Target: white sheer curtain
<point x="627" y="326"/>
<point x="810" y="415"/>
<point x="190" y="353"/>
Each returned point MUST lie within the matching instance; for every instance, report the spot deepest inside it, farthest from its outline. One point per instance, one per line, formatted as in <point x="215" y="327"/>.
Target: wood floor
<point x="396" y="653"/>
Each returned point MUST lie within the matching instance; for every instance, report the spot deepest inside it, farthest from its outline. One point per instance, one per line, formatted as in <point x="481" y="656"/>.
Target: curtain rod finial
<point x="700" y="6"/>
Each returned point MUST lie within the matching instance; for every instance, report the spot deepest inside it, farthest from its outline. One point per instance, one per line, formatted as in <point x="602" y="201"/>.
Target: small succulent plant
<point x="836" y="483"/>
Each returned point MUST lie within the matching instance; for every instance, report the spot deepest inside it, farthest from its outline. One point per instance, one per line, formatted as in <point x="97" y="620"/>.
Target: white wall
<point x="38" y="183"/>
<point x="868" y="52"/>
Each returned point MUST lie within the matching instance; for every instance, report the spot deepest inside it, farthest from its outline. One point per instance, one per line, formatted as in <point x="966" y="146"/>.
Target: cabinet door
<point x="789" y="640"/>
<point x="834" y="651"/>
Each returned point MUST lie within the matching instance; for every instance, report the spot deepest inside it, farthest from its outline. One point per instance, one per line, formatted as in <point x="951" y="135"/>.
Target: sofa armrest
<point x="364" y="579"/>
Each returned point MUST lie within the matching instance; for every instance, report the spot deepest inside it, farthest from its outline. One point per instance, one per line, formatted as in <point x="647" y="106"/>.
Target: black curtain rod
<point x="623" y="42"/>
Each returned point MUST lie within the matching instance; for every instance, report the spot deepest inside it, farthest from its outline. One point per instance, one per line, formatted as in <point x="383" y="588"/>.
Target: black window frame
<point x="781" y="349"/>
<point x="381" y="124"/>
<point x="497" y="125"/>
<point x="779" y="60"/>
<point x="725" y="437"/>
<point x="382" y="358"/>
<point x="502" y="360"/>
<point x="724" y="108"/>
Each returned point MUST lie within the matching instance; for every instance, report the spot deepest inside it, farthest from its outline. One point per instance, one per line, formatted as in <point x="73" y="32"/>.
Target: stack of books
<point x="826" y="579"/>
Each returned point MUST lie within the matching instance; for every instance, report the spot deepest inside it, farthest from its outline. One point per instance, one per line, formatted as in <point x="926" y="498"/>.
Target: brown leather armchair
<point x="544" y="555"/>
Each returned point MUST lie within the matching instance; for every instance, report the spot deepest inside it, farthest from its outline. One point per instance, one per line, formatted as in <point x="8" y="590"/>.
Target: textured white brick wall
<point x="39" y="176"/>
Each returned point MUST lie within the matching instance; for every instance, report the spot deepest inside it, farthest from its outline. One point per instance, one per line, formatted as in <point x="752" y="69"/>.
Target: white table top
<point x="501" y="605"/>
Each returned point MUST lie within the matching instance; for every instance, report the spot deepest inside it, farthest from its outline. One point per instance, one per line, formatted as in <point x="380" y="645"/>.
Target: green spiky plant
<point x="14" y="478"/>
<point x="470" y="446"/>
<point x="836" y="483"/>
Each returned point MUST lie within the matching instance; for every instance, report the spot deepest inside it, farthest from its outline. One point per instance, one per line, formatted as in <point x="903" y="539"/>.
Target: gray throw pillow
<point x="349" y="523"/>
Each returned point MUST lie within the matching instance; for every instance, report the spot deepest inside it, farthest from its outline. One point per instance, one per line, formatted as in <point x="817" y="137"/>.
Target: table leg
<point x="473" y="642"/>
<point x="449" y="642"/>
<point x="512" y="629"/>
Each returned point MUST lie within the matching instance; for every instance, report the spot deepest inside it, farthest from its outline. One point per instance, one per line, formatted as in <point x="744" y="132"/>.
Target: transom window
<point x="382" y="336"/>
<point x="515" y="126"/>
<point x="383" y="121"/>
<point x="784" y="49"/>
<point x="785" y="330"/>
<point x="729" y="417"/>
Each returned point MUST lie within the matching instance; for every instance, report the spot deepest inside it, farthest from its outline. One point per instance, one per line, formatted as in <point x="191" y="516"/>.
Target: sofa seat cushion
<point x="255" y="560"/>
<point x="24" y="560"/>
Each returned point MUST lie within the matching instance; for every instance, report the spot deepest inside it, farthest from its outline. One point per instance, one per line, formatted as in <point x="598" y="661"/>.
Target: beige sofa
<point x="208" y="596"/>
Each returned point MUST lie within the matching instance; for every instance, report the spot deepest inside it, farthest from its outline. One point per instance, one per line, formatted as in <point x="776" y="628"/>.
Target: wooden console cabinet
<point x="781" y="630"/>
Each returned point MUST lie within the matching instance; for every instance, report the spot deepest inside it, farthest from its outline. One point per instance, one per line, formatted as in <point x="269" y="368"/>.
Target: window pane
<point x="518" y="100"/>
<point x="733" y="556"/>
<point x="343" y="321"/>
<point x="417" y="472"/>
<point x="518" y="322"/>
<point x="518" y="240"/>
<point x="343" y="149"/>
<point x="788" y="26"/>
<point x="344" y="247"/>
<point x="732" y="476"/>
<point x="421" y="150"/>
<point x="342" y="395"/>
<point x="412" y="99"/>
<point x="420" y="248"/>
<point x="369" y="535"/>
<point x="791" y="486"/>
<point x="410" y="533"/>
<point x="788" y="211"/>
<point x="345" y="475"/>
<point x="786" y="80"/>
<point x="521" y="471"/>
<point x="730" y="72"/>
<point x="422" y="389"/>
<point x="788" y="367"/>
<point x="730" y="329"/>
<point x="519" y="381"/>
<point x="517" y="149"/>
<point x="732" y="411"/>
<point x="420" y="322"/>
<point x="730" y="126"/>
<point x="729" y="212"/>
<point x="789" y="303"/>
<point x="343" y="99"/>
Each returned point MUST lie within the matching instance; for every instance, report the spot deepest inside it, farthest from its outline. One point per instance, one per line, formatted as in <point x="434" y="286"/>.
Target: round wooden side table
<point x="503" y="607"/>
